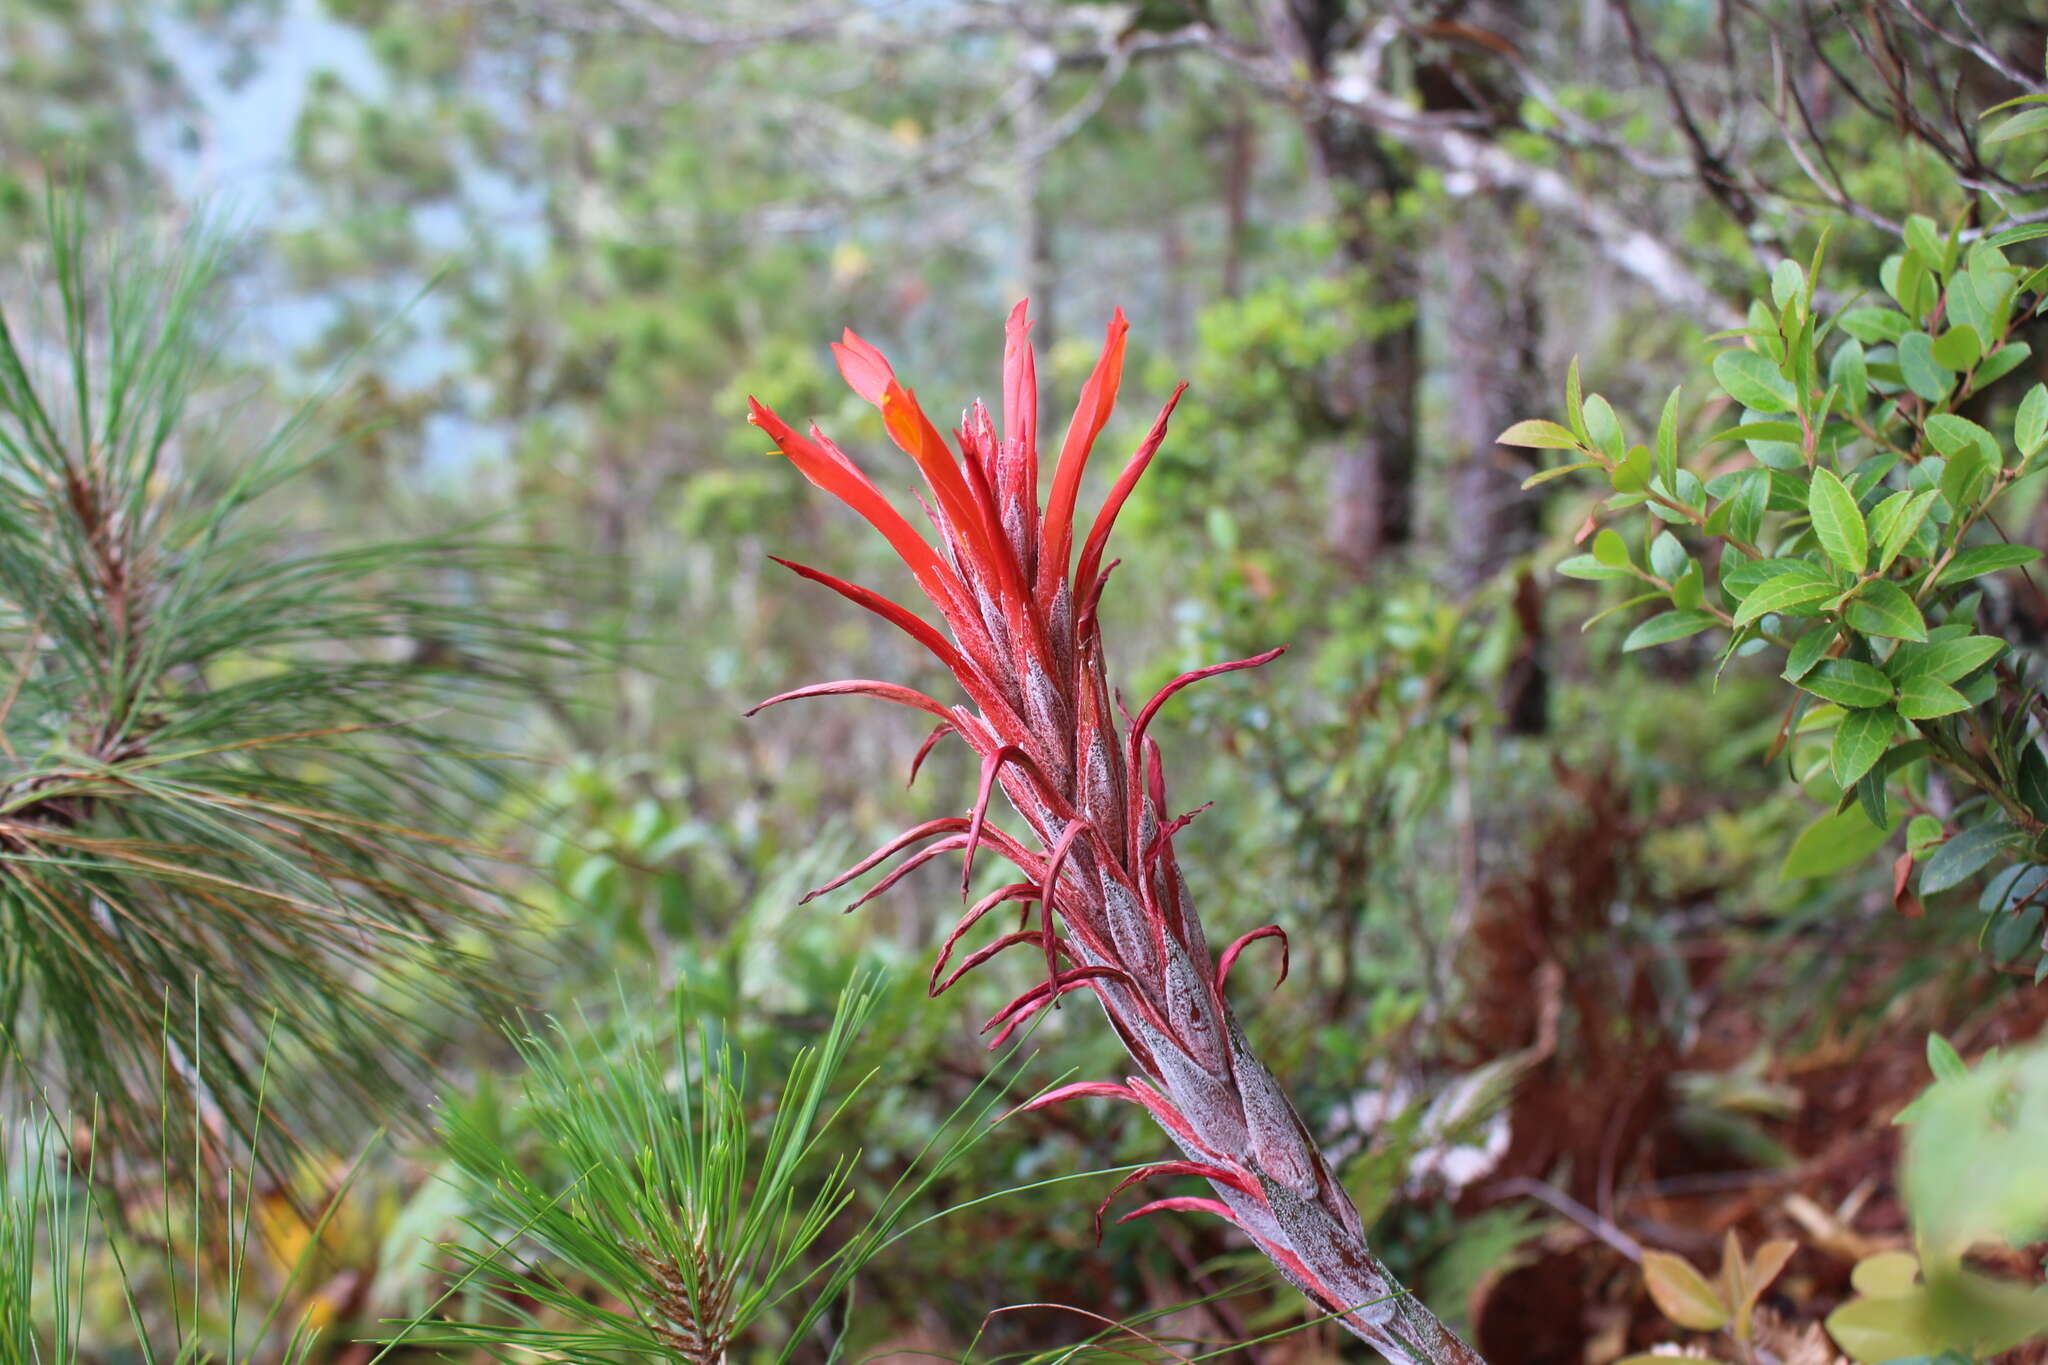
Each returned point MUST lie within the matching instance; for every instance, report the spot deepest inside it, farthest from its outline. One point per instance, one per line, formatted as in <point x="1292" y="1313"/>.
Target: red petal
<point x="1098" y="397"/>
<point x="1046" y="991"/>
<point x="1098" y="535"/>
<point x="1164" y="837"/>
<point x="1223" y="964"/>
<point x="991" y="768"/>
<point x="863" y="367"/>
<point x="1018" y="1021"/>
<point x="951" y="824"/>
<point x="863" y="687"/>
<point x="968" y="517"/>
<point x="1015" y="891"/>
<point x="1237" y="1180"/>
<point x="1184" y="1203"/>
<point x="909" y="865"/>
<point x="911" y="624"/>
<point x="936" y="987"/>
<point x="1108" y="1090"/>
<point x="1048" y="885"/>
<point x="1165" y="693"/>
<point x="924" y="750"/>
<point x="1020" y="392"/>
<point x="837" y="475"/>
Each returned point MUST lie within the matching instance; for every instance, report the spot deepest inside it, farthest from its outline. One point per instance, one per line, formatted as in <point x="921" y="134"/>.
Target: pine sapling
<point x="1024" y="641"/>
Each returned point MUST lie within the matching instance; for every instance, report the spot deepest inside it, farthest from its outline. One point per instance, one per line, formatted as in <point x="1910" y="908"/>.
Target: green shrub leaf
<point x="1837" y="524"/>
<point x="1922" y="373"/>
<point x="1945" y="660"/>
<point x="1979" y="560"/>
<point x="1928" y="699"/>
<point x="1785" y="593"/>
<point x="2030" y="423"/>
<point x="1752" y="380"/>
<point x="1860" y="740"/>
<point x="1539" y="435"/>
<point x="1849" y="683"/>
<point x="1882" y="608"/>
<point x="1965" y="854"/>
<point x="1832" y="844"/>
<point x="1668" y="626"/>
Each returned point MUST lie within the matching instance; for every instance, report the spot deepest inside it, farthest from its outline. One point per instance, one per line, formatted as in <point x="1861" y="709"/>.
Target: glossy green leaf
<point x="1979" y="560"/>
<point x="2030" y="422"/>
<point x="2033" y="780"/>
<point x="1807" y="651"/>
<point x="1539" y="435"/>
<point x="1860" y="740"/>
<point x="1832" y="844"/>
<point x="1848" y="683"/>
<point x="1922" y="373"/>
<point x="1924" y="239"/>
<point x="2015" y="931"/>
<point x="1849" y="374"/>
<point x="1871" y="1331"/>
<point x="1958" y="348"/>
<point x="2001" y="363"/>
<point x="1945" y="660"/>
<point x="1965" y="855"/>
<point x="1787" y="593"/>
<point x="2019" y="125"/>
<point x="1928" y="699"/>
<point x="1667" y="442"/>
<point x="1751" y="379"/>
<point x="1965" y="479"/>
<point x="1788" y="282"/>
<point x="1587" y="567"/>
<point x="1875" y="326"/>
<point x="1951" y="434"/>
<point x="1668" y="626"/>
<point x="1894" y="521"/>
<point x="1610" y="549"/>
<point x="1667" y="556"/>
<point x="1882" y="608"/>
<point x="1837" y="524"/>
<point x="1690" y="589"/>
<point x="1604" y="428"/>
<point x="2013" y="236"/>
<point x="1632" y="474"/>
<point x="1546" y="475"/>
<point x="1770" y="431"/>
<point x="1947" y="1065"/>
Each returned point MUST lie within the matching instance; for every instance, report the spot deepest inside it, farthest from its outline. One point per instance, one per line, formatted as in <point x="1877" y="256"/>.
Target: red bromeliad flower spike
<point x="1024" y="641"/>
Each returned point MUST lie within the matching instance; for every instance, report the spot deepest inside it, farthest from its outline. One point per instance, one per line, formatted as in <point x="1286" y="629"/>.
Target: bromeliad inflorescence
<point x="1113" y="913"/>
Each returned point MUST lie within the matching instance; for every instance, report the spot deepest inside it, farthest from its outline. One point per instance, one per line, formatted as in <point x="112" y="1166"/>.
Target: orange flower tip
<point x="863" y="367"/>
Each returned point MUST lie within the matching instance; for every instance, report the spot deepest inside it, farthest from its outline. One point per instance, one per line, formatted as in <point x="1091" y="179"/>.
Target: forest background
<point x="1588" y="963"/>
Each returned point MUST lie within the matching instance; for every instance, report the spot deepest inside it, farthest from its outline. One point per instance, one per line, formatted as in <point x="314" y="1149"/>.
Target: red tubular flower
<point x="1113" y="914"/>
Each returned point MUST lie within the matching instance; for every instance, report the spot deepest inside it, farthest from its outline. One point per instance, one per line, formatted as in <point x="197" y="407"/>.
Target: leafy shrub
<point x="1841" y="525"/>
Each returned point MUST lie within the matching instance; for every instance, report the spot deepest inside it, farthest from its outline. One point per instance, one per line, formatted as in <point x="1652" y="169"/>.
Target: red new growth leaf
<point x="1019" y="630"/>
